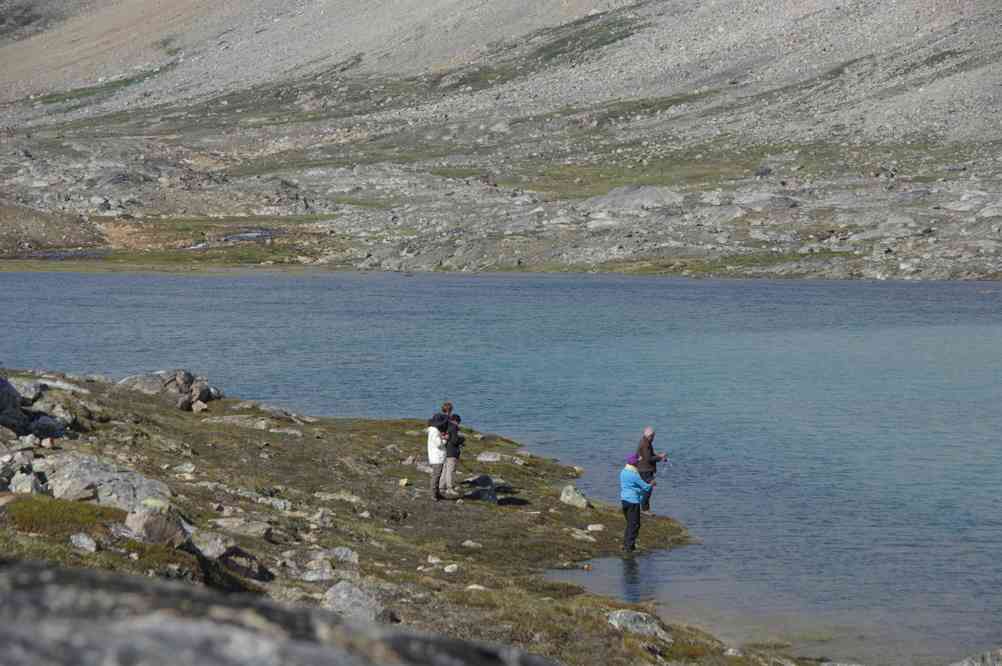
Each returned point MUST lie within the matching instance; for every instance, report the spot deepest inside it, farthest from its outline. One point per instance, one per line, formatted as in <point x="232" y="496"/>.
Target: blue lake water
<point x="836" y="446"/>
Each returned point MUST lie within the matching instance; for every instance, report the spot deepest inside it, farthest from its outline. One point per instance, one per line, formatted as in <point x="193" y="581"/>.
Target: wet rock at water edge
<point x="639" y="623"/>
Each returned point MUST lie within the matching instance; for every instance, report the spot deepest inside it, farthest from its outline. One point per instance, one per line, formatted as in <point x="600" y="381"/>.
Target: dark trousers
<point x="648" y="477"/>
<point x="631" y="512"/>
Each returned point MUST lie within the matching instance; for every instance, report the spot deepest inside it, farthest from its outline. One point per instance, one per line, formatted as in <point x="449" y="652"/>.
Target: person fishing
<point x="632" y="491"/>
<point x="647" y="464"/>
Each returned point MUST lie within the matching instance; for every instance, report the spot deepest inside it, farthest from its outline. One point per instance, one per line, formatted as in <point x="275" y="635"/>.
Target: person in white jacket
<point x="436" y="458"/>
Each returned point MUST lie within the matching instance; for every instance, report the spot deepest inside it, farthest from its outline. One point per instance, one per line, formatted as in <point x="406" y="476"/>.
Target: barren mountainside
<point x="798" y="138"/>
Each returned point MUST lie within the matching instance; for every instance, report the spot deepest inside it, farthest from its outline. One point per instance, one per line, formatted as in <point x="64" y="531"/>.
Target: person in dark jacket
<point x="632" y="491"/>
<point x="453" y="447"/>
<point x="647" y="463"/>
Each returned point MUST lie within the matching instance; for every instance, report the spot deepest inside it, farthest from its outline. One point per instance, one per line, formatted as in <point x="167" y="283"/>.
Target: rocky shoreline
<point x="136" y="478"/>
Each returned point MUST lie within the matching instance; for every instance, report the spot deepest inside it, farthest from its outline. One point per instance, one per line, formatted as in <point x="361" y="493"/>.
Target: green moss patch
<point x="39" y="514"/>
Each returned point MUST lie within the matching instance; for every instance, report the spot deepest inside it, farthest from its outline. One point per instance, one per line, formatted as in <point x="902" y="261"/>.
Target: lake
<point x="836" y="445"/>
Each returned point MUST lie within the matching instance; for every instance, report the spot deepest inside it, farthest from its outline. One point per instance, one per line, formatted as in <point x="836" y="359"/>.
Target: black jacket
<point x="648" y="459"/>
<point x="455" y="443"/>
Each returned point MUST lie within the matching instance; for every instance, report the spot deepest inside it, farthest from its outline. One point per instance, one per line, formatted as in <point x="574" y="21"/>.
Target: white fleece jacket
<point x="436" y="447"/>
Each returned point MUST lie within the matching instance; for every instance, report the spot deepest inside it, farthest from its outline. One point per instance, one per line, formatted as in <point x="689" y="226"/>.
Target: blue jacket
<point x="631" y="487"/>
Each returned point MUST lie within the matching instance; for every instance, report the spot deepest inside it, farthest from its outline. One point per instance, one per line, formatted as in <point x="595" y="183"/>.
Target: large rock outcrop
<point x="12" y="417"/>
<point x="73" y="476"/>
<point x="76" y="617"/>
<point x="180" y="387"/>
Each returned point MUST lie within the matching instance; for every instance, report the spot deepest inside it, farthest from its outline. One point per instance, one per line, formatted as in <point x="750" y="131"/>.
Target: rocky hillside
<point x="862" y="139"/>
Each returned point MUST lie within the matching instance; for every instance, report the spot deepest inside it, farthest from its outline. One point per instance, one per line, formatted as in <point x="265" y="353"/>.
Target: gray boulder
<point x="29" y="389"/>
<point x="27" y="483"/>
<point x="245" y="527"/>
<point x="319" y="570"/>
<point x="993" y="658"/>
<point x="77" y="617"/>
<point x="73" y="489"/>
<point x="224" y="549"/>
<point x="639" y="623"/>
<point x="345" y="555"/>
<point x="574" y="497"/>
<point x="71" y="475"/>
<point x="353" y="602"/>
<point x="84" y="542"/>
<point x="155" y="521"/>
<point x="212" y="545"/>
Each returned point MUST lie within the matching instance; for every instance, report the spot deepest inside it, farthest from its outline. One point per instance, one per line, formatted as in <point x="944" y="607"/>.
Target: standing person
<point x="632" y="491"/>
<point x="453" y="447"/>
<point x="438" y="427"/>
<point x="437" y="436"/>
<point x="647" y="464"/>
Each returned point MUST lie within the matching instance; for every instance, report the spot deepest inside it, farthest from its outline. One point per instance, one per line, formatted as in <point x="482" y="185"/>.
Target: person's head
<point x="632" y="459"/>
<point x="648" y="432"/>
<point x="447" y="407"/>
<point x="439" y="421"/>
<point x="455" y="418"/>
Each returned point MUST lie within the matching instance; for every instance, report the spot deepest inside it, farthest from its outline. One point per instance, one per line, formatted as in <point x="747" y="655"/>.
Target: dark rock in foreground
<point x="85" y="618"/>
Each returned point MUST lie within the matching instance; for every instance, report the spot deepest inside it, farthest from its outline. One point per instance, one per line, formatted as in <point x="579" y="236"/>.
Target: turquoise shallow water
<point x="836" y="446"/>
